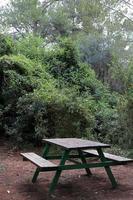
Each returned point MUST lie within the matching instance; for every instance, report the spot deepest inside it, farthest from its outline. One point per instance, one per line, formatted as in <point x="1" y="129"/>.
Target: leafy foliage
<point x="30" y="46"/>
<point x="6" y="45"/>
<point x="53" y="93"/>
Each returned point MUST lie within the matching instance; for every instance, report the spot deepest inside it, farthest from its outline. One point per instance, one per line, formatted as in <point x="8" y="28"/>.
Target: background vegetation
<point x="66" y="70"/>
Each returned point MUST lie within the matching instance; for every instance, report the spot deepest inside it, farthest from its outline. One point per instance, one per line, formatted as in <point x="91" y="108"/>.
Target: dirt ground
<point x="15" y="181"/>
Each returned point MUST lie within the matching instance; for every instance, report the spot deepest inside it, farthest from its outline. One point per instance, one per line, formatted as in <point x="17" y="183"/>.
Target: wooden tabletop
<point x="75" y="143"/>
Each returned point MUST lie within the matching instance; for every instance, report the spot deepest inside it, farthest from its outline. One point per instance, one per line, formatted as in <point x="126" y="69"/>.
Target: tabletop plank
<point x="75" y="143"/>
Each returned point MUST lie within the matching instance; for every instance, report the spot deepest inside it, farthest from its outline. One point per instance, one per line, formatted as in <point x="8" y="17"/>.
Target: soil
<point x="15" y="181"/>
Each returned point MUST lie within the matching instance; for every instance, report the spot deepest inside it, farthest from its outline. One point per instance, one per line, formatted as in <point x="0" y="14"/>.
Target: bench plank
<point x="38" y="160"/>
<point x="109" y="156"/>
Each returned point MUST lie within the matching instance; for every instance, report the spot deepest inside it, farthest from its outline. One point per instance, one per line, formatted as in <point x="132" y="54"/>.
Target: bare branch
<point x="47" y="4"/>
<point x="128" y="3"/>
<point x="120" y="12"/>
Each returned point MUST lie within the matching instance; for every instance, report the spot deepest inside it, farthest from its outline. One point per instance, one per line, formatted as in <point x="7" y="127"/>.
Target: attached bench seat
<point x="40" y="162"/>
<point x="109" y="156"/>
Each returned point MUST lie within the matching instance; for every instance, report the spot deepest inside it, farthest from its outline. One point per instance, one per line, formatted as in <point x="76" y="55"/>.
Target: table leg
<point x="45" y="153"/>
<point x="58" y="172"/>
<point x="83" y="159"/>
<point x="107" y="168"/>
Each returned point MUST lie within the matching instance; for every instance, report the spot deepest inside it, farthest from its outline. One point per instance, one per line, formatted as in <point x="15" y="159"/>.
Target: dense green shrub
<point x="82" y="78"/>
<point x="6" y="45"/>
<point x="125" y="109"/>
<point x="44" y="115"/>
<point x="124" y="136"/>
<point x="30" y="46"/>
<point x="62" y="60"/>
<point x="34" y="106"/>
<point x="16" y="74"/>
<point x="54" y="94"/>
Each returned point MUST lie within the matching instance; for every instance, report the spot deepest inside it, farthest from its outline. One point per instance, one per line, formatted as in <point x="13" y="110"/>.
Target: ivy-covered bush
<point x="31" y="47"/>
<point x="62" y="60"/>
<point x="47" y="114"/>
<point x="125" y="107"/>
<point x="33" y="106"/>
<point x="6" y="45"/>
<point x="51" y="93"/>
<point x="64" y="65"/>
<point x="15" y="79"/>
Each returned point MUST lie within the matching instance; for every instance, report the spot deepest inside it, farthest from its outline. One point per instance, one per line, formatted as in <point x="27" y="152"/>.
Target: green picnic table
<point x="71" y="149"/>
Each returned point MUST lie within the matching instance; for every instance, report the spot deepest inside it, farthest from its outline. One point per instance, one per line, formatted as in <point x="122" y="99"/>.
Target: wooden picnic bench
<point x="40" y="162"/>
<point x="84" y="149"/>
<point x="119" y="159"/>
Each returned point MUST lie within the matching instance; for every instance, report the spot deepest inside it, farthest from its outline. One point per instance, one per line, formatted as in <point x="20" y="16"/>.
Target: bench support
<point x="45" y="153"/>
<point x="107" y="168"/>
<point x="81" y="155"/>
<point x="58" y="172"/>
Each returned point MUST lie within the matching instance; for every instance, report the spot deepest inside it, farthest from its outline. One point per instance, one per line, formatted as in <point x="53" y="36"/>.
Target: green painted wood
<point x="107" y="168"/>
<point x="58" y="172"/>
<point x="86" y="165"/>
<point x="58" y="157"/>
<point x="82" y="166"/>
<point x="45" y="152"/>
<point x="83" y="159"/>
